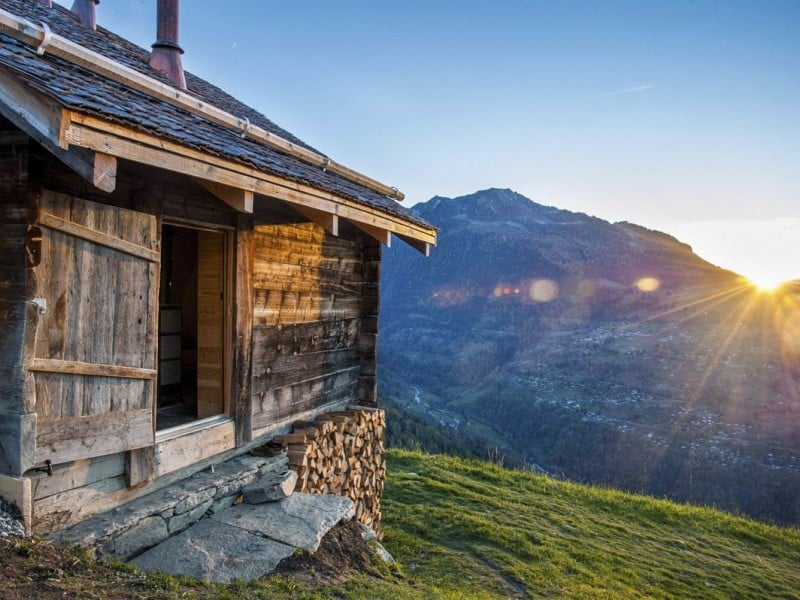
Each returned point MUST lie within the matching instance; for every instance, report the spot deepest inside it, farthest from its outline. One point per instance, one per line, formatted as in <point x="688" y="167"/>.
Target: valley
<point x="688" y="390"/>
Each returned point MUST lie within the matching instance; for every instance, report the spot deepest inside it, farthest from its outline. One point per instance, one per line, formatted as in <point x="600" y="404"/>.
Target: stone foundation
<point x="126" y="531"/>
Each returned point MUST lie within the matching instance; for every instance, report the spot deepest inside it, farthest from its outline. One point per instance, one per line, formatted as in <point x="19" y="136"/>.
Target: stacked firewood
<point x="341" y="453"/>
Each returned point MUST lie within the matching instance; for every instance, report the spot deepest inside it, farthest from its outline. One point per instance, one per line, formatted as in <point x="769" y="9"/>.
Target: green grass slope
<point x="470" y="529"/>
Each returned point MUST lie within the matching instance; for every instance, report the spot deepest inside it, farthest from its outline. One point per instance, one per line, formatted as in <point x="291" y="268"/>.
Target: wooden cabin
<point x="180" y="278"/>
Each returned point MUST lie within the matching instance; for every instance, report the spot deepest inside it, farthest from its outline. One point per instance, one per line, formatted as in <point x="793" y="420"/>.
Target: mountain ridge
<point x="555" y="243"/>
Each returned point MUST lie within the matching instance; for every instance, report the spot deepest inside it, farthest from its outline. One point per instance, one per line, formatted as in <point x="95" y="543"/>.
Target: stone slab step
<point x="128" y="530"/>
<point x="215" y="552"/>
<point x="247" y="541"/>
<point x="301" y="520"/>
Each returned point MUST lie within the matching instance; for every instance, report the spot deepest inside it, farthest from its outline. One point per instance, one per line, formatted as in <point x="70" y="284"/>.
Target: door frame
<point x="196" y="426"/>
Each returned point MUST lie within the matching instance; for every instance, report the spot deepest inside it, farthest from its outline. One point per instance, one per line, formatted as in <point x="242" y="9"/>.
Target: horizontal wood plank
<point x="70" y="506"/>
<point x="185" y="450"/>
<point x="77" y="438"/>
<point x="102" y="239"/>
<point x="278" y="403"/>
<point x="301" y="338"/>
<point x="274" y="307"/>
<point x="287" y="370"/>
<point x="77" y="474"/>
<point x="72" y="367"/>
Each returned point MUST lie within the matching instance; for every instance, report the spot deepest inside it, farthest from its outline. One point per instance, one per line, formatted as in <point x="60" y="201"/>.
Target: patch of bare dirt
<point x="342" y="552"/>
<point x="32" y="568"/>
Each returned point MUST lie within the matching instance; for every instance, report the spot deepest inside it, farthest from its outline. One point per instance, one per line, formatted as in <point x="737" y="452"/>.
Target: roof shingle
<point x="82" y="90"/>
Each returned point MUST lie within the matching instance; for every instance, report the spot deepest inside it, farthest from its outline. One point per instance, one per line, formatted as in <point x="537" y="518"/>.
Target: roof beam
<point x="139" y="147"/>
<point x="238" y="199"/>
<point x="45" y="123"/>
<point x="104" y="172"/>
<point x="381" y="235"/>
<point x="423" y="247"/>
<point x="328" y="221"/>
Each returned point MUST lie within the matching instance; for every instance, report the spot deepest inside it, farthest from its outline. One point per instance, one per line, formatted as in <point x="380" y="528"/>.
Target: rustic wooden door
<point x="210" y="322"/>
<point x="95" y="351"/>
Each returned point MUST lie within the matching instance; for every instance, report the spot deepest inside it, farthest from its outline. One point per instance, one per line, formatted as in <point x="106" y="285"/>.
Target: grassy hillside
<point x="468" y="529"/>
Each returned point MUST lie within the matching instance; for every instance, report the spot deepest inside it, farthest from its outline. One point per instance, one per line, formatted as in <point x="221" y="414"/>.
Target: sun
<point x="767" y="282"/>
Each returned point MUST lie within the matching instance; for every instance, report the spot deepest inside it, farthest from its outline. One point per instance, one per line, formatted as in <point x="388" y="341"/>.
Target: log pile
<point x="341" y="453"/>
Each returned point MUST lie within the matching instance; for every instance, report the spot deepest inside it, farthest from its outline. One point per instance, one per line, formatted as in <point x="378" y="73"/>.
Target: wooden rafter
<point x="381" y="235"/>
<point x="328" y="221"/>
<point x="95" y="134"/>
<point x="44" y="124"/>
<point x="104" y="173"/>
<point x="238" y="199"/>
<point x="423" y="247"/>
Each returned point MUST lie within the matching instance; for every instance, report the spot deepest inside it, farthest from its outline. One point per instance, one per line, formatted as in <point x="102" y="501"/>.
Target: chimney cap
<point x="167" y="43"/>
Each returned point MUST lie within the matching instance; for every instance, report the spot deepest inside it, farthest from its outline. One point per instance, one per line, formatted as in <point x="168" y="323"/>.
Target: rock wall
<point x="341" y="453"/>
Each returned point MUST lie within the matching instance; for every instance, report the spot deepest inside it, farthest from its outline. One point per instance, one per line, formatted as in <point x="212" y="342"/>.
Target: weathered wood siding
<point x="304" y="319"/>
<point x="307" y="289"/>
<point x="94" y="359"/>
<point x="17" y="418"/>
<point x="84" y="486"/>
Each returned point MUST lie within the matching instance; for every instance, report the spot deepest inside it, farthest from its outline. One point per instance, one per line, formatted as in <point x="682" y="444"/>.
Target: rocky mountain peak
<point x="495" y="205"/>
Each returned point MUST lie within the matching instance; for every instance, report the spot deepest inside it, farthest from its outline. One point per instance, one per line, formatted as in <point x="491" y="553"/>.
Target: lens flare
<point x="790" y="334"/>
<point x="787" y="323"/>
<point x="648" y="284"/>
<point x="447" y="296"/>
<point x="543" y="290"/>
<point x="586" y="288"/>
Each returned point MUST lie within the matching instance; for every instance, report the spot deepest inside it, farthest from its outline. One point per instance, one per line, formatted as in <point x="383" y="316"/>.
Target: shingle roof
<point x="82" y="90"/>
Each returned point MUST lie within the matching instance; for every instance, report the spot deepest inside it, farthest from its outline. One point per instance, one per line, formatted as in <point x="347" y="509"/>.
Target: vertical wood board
<point x="100" y="286"/>
<point x="210" y="325"/>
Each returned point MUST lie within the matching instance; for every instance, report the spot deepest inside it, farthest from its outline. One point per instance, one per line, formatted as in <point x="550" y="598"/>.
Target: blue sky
<point x="680" y="116"/>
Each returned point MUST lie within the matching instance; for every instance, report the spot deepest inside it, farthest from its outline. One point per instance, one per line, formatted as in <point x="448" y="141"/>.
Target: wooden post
<point x="243" y="329"/>
<point x="368" y="335"/>
<point x="18" y="491"/>
<point x="140" y="466"/>
<point x="17" y="321"/>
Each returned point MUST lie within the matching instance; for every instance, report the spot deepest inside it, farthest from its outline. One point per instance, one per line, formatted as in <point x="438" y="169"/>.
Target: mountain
<point x="603" y="352"/>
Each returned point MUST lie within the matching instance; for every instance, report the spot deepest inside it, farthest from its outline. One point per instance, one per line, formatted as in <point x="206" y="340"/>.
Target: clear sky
<point x="683" y="116"/>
